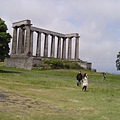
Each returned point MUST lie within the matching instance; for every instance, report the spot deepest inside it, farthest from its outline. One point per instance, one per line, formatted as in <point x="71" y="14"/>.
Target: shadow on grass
<point x="6" y="71"/>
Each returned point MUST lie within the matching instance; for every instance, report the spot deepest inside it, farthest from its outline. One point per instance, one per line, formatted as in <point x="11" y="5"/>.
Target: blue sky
<point x="97" y="22"/>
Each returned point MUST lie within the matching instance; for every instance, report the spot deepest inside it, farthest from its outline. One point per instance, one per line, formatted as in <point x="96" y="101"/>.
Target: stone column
<point x="64" y="49"/>
<point x="27" y="42"/>
<point x="31" y="42"/>
<point x="20" y="40"/>
<point x="23" y="37"/>
<point x="14" y="41"/>
<point x="52" y="46"/>
<point x="69" y="48"/>
<point x="59" y="48"/>
<point x="77" y="47"/>
<point x="38" y="49"/>
<point x="46" y="46"/>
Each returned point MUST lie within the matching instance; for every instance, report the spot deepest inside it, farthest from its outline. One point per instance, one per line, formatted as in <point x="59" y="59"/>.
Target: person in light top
<point x="85" y="82"/>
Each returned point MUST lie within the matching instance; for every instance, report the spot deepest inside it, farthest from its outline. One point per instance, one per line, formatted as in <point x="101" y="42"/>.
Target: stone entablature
<point x="21" y="23"/>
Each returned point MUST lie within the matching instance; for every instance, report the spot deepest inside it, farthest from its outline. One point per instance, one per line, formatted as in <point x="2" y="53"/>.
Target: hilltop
<point x="53" y="95"/>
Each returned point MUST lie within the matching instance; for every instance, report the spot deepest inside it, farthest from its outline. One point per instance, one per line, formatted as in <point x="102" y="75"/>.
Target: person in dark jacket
<point x="79" y="78"/>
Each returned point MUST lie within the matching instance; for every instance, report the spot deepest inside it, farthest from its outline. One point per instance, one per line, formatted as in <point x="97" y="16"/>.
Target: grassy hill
<point x="53" y="95"/>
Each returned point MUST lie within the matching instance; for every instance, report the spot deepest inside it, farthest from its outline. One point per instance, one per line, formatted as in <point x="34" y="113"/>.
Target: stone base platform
<point x="24" y="62"/>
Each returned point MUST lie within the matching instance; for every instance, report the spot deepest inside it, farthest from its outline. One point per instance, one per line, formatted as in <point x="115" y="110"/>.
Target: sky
<point x="96" y="21"/>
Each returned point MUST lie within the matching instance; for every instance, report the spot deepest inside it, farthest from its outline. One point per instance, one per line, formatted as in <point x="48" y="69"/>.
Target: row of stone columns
<point x="22" y="43"/>
<point x="61" y="52"/>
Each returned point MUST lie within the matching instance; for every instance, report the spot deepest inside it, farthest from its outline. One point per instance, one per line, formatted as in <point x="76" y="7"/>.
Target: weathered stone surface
<point x="23" y="22"/>
<point x="22" y="62"/>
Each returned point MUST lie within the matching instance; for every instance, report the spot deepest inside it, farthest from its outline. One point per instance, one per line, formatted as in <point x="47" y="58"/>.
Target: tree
<point x="4" y="40"/>
<point x="118" y="61"/>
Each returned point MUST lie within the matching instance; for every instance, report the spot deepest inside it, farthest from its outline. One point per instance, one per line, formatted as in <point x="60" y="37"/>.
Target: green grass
<point x="53" y="95"/>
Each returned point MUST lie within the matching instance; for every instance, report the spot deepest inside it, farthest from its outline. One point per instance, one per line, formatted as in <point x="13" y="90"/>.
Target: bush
<point x="54" y="63"/>
<point x="58" y="63"/>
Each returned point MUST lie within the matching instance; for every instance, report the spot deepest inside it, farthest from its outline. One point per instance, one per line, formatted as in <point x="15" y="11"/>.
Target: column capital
<point x="78" y="36"/>
<point x="58" y="36"/>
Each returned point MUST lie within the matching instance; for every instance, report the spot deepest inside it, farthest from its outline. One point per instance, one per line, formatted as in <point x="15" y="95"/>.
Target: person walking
<point x="85" y="82"/>
<point x="104" y="75"/>
<point x="79" y="78"/>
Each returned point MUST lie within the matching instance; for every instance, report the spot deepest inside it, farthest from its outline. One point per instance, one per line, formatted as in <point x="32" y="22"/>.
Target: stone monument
<point x="22" y="46"/>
